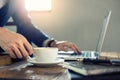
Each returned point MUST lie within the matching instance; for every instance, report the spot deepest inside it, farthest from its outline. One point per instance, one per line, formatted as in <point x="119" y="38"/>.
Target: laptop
<point x="89" y="54"/>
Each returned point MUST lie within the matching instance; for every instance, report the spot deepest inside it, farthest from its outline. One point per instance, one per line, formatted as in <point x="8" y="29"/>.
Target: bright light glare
<point x="38" y="5"/>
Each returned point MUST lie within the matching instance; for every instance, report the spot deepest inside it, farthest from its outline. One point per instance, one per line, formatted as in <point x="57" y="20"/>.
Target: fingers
<point x="19" y="49"/>
<point x="17" y="52"/>
<point x="11" y="53"/>
<point x="23" y="51"/>
<point x="75" y="48"/>
<point x="66" y="46"/>
<point x="28" y="47"/>
<point x="15" y="44"/>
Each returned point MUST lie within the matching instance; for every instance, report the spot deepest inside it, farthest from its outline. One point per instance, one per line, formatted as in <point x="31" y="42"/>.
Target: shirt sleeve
<point x="25" y="26"/>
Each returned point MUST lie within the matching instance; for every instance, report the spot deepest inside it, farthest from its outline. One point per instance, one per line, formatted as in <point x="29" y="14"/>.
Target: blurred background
<point x="80" y="21"/>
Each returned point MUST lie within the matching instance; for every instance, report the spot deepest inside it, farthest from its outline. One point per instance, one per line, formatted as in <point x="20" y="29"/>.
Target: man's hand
<point x="14" y="44"/>
<point x="66" y="46"/>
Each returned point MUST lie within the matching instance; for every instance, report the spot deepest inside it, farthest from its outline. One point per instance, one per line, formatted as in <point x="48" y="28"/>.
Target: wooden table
<point x="25" y="71"/>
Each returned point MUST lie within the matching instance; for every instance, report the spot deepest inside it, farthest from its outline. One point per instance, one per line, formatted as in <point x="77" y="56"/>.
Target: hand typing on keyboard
<point x="66" y="46"/>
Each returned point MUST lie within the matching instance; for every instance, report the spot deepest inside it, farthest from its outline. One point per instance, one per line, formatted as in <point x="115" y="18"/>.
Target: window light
<point x="38" y="5"/>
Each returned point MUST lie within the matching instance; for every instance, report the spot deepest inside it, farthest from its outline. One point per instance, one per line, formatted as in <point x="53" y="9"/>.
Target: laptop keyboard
<point x="73" y="56"/>
<point x="88" y="54"/>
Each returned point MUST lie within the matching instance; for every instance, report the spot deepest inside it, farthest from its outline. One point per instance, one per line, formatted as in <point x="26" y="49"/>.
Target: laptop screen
<point x="102" y="34"/>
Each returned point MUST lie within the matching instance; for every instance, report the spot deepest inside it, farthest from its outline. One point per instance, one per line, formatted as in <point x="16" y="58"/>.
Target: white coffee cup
<point x="45" y="54"/>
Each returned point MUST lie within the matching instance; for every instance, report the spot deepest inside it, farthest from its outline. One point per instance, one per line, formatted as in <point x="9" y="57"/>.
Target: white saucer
<point x="57" y="61"/>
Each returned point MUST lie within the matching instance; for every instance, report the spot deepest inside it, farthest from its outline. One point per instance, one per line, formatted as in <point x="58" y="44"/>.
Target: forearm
<point x="32" y="33"/>
<point x="26" y="28"/>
